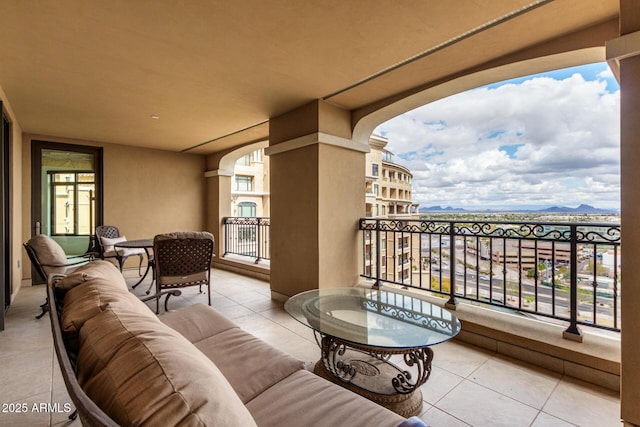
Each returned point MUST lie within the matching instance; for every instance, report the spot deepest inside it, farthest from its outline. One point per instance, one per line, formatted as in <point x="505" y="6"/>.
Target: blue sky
<point x="544" y="140"/>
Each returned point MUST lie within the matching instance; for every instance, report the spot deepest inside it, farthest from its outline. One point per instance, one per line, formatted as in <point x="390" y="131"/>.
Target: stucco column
<point x="317" y="197"/>
<point x="624" y="54"/>
<point x="218" y="189"/>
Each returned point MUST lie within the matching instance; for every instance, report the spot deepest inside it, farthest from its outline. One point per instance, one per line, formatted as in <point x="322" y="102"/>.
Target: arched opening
<point x="250" y="185"/>
<point x="241" y="184"/>
<point x="510" y="177"/>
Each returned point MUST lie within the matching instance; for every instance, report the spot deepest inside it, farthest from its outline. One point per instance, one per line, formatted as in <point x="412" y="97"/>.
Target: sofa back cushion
<point x="141" y="372"/>
<point x="49" y="254"/>
<point x="91" y="289"/>
<point x="89" y="300"/>
<point x="98" y="271"/>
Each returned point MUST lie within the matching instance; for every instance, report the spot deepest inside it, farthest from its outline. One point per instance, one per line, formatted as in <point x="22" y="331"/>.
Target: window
<point x="374" y="169"/>
<point x="246" y="209"/>
<point x="244" y="160"/>
<point x="72" y="202"/>
<point x="376" y="189"/>
<point x="244" y="183"/>
<point x="257" y="156"/>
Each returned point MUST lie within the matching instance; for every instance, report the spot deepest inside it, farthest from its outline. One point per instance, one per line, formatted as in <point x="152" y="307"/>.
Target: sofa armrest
<point x="90" y="413"/>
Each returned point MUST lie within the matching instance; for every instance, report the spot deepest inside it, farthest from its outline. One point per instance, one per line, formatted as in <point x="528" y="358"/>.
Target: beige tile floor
<point x="468" y="386"/>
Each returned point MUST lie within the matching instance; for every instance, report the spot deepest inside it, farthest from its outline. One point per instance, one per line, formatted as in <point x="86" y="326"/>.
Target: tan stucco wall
<point x="630" y="204"/>
<point x="146" y="191"/>
<point x="341" y="191"/>
<point x="218" y="206"/>
<point x="315" y="206"/>
<point x="630" y="178"/>
<point x="317" y="189"/>
<point x="15" y="197"/>
<point x="294" y="221"/>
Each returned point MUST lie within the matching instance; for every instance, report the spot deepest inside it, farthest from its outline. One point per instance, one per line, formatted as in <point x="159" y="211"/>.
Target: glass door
<point x="67" y="196"/>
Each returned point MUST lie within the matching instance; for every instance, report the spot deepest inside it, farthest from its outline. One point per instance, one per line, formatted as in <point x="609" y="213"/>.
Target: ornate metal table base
<point x="372" y="373"/>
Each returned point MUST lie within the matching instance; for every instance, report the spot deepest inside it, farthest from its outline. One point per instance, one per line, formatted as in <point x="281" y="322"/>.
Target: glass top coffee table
<point x="375" y="341"/>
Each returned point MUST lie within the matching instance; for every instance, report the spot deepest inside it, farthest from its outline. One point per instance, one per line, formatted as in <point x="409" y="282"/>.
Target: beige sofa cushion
<point x="141" y="372"/>
<point x="250" y="364"/>
<point x="49" y="253"/>
<point x="98" y="271"/>
<point x="317" y="402"/>
<point x="197" y="322"/>
<point x="89" y="300"/>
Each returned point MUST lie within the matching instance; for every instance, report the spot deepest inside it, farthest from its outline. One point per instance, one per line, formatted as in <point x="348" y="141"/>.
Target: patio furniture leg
<point x="45" y="309"/>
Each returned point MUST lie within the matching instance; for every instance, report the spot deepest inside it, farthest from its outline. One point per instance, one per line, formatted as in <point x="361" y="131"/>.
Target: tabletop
<point x="374" y="317"/>
<point x="141" y="243"/>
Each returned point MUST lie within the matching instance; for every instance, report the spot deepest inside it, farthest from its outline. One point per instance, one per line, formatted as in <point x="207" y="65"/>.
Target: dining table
<point x="147" y="245"/>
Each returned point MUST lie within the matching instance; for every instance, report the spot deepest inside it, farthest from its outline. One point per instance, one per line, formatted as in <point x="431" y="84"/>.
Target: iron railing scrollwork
<point x="247" y="236"/>
<point x="568" y="271"/>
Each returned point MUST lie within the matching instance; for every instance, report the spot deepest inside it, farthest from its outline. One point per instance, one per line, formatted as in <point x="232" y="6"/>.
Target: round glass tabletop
<point x="373" y="317"/>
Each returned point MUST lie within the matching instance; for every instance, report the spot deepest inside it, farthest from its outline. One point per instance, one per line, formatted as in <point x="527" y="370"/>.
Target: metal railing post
<point x="258" y="240"/>
<point x="573" y="332"/>
<point x="378" y="282"/>
<point x="451" y="304"/>
<point x="226" y="236"/>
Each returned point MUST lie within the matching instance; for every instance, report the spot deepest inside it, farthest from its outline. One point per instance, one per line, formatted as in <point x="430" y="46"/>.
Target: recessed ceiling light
<point x="155" y="117"/>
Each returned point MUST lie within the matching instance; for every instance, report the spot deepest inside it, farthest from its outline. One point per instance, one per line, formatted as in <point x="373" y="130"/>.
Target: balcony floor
<point x="468" y="385"/>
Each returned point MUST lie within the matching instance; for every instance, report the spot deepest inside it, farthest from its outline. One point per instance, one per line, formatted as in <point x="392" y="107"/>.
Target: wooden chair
<point x="106" y="237"/>
<point x="183" y="259"/>
<point x="48" y="258"/>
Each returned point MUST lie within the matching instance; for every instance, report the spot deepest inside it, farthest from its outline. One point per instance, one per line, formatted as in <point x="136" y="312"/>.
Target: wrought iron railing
<point x="565" y="271"/>
<point x="247" y="237"/>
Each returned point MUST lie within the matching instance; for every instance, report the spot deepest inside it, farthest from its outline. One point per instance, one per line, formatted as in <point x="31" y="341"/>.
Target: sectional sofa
<point x="123" y="365"/>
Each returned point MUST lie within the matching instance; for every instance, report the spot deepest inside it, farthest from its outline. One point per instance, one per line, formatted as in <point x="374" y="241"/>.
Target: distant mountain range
<point x="582" y="209"/>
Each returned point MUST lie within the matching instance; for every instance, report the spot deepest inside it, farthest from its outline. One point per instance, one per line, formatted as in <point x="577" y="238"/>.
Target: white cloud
<point x="606" y="74"/>
<point x="541" y="142"/>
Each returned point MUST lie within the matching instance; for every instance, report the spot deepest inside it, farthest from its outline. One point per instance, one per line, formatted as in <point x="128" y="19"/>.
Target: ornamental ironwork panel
<point x="568" y="271"/>
<point x="247" y="237"/>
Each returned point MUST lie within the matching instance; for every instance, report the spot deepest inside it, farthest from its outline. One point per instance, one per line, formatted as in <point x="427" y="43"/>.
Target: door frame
<point x="36" y="183"/>
<point x="6" y="258"/>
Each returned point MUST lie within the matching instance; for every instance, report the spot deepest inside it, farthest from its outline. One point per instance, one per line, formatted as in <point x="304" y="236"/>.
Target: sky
<point x="550" y="139"/>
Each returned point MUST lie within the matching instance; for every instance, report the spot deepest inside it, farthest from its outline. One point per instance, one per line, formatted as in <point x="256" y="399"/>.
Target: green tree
<point x="601" y="269"/>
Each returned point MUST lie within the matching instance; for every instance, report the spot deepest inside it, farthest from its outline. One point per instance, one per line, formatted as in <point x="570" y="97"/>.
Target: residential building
<point x="388" y="195"/>
<point x="250" y="186"/>
<point x="388" y="184"/>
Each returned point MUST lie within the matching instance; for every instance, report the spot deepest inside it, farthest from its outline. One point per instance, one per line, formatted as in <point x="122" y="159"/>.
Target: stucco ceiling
<point x="214" y="72"/>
